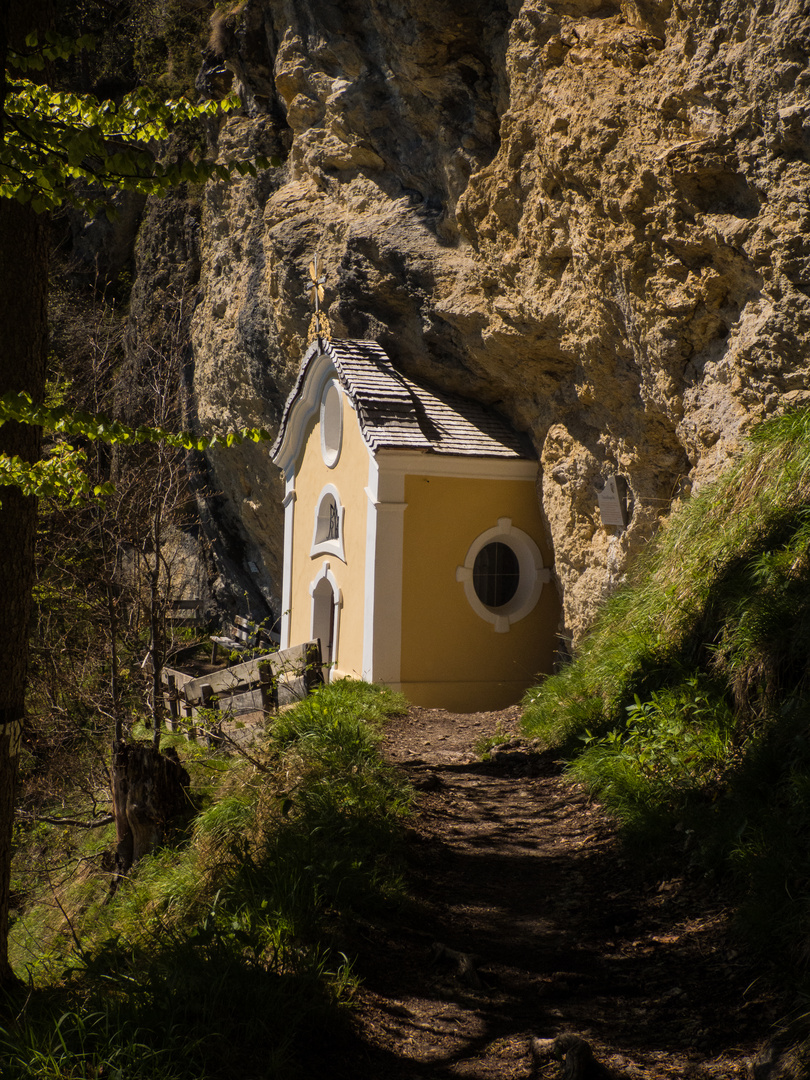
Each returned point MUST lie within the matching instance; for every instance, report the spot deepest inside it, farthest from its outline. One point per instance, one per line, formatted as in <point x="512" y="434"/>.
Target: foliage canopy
<point x="61" y="147"/>
<point x="52" y="138"/>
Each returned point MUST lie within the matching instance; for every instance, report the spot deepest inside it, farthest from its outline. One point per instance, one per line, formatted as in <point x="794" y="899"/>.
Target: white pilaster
<point x="382" y="628"/>
<point x="286" y="587"/>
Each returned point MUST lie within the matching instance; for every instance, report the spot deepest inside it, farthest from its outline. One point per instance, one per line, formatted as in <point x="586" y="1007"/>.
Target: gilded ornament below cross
<point x="319" y="323"/>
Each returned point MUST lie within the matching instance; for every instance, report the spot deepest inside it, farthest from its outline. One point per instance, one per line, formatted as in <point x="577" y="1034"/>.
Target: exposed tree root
<point x="575" y="1054"/>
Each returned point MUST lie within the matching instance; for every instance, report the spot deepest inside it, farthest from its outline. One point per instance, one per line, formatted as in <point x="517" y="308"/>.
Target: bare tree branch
<point x="96" y="824"/>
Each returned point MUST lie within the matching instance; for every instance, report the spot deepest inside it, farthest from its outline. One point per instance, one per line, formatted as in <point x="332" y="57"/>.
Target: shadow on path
<point x="525" y="920"/>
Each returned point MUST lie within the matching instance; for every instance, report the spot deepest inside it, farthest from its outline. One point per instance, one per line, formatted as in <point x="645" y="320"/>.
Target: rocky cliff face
<point x="592" y="215"/>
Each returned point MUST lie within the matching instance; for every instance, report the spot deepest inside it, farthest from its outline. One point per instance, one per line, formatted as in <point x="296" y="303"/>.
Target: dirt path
<point x="527" y="922"/>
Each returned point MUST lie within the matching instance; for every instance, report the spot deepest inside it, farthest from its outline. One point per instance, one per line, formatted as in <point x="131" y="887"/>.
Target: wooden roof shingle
<point x="397" y="413"/>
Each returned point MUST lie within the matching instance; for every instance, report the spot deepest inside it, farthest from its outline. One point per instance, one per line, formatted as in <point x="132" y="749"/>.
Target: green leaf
<point x="54" y="138"/>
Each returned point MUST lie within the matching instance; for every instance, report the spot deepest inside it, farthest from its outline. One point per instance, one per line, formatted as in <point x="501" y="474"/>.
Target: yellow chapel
<point x="413" y="543"/>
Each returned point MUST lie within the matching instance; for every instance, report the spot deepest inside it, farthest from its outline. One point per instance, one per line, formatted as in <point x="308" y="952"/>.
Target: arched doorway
<point x="326" y="616"/>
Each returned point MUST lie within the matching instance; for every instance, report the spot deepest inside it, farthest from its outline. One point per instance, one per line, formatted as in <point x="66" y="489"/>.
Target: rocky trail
<point x="528" y="923"/>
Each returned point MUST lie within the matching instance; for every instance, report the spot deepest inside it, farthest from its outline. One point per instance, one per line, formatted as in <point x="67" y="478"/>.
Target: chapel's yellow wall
<point x="349" y="476"/>
<point x="451" y="657"/>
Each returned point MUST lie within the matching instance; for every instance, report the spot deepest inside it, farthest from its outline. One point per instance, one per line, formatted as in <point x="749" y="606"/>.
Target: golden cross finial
<point x="319" y="324"/>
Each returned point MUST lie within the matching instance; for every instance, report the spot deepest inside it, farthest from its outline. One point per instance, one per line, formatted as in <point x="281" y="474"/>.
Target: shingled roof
<point x="396" y="413"/>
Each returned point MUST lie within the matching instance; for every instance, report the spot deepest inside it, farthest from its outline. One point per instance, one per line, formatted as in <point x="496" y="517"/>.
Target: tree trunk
<point x="23" y="317"/>
<point x="115" y="682"/>
<point x="156" y="631"/>
<point x="148" y="790"/>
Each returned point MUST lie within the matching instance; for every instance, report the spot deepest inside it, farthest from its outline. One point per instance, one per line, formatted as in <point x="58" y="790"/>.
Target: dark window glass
<point x="328" y="527"/>
<point x="496" y="573"/>
<point x="334" y="529"/>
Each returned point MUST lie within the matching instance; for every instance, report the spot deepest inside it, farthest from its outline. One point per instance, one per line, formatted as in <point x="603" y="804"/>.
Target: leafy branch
<point x="53" y="138"/>
<point x="61" y="474"/>
<point x="64" y="420"/>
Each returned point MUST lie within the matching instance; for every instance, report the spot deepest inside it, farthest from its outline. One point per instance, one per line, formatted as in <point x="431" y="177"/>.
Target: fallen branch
<point x="216" y="734"/>
<point x="66" y="917"/>
<point x="95" y="824"/>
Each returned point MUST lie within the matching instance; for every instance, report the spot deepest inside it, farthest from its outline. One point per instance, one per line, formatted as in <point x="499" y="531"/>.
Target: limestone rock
<point x="591" y="214"/>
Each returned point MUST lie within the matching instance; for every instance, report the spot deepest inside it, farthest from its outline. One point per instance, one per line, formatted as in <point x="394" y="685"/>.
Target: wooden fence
<point x="261" y="684"/>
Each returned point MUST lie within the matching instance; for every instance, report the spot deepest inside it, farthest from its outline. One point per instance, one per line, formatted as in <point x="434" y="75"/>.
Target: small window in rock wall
<point x="327" y="537"/>
<point x="331" y="423"/>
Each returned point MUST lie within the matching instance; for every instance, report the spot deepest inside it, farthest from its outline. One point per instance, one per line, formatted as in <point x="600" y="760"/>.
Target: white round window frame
<point x="331" y="422"/>
<point x="532" y="575"/>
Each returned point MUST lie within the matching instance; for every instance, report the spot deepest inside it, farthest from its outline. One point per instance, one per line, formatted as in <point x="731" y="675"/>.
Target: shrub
<point x="221" y="953"/>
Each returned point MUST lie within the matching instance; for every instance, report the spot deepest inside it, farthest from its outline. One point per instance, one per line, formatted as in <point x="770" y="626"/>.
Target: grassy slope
<point x="222" y="952"/>
<point x="688" y="707"/>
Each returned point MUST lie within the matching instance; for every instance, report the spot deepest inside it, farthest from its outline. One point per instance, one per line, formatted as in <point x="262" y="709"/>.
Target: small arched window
<point x="327" y="523"/>
<point x="327" y="536"/>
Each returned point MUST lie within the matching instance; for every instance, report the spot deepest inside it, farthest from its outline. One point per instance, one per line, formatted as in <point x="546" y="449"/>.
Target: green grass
<point x="225" y="949"/>
<point x="487" y="743"/>
<point x="670" y="752"/>
<point x="687" y="707"/>
<point x="739" y="547"/>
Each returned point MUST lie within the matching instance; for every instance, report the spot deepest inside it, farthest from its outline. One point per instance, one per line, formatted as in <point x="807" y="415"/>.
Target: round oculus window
<point x="496" y="574"/>
<point x="503" y="575"/>
<point x="331" y="424"/>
